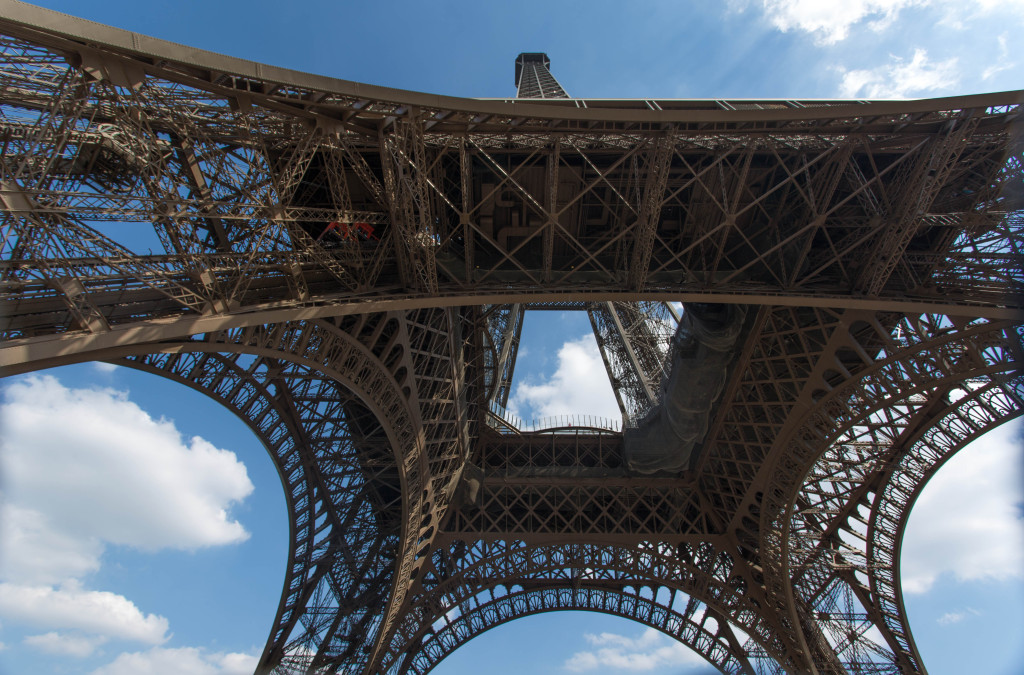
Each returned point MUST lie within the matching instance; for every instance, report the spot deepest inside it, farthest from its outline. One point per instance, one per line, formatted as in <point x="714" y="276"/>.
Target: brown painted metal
<point x="876" y="246"/>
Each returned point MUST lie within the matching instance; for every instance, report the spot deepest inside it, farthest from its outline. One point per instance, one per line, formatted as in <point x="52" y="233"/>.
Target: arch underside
<point x="689" y="592"/>
<point x="886" y="429"/>
<point x="704" y="635"/>
<point x="266" y="386"/>
<point x="886" y="442"/>
<point x="333" y="443"/>
<point x="872" y="243"/>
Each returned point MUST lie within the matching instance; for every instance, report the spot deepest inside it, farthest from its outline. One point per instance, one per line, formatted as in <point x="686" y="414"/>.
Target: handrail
<point x="507" y="423"/>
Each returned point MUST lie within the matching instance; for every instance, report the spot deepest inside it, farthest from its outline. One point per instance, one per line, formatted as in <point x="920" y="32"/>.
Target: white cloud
<point x="65" y="645"/>
<point x="1004" y="60"/>
<point x="579" y="386"/>
<point x="830" y="22"/>
<point x="71" y="608"/>
<point x="956" y="617"/>
<point x="110" y="472"/>
<point x="900" y="79"/>
<point x="181" y="661"/>
<point x="967" y="521"/>
<point x="652" y="650"/>
<point x="104" y="367"/>
<point x="84" y="468"/>
<point x="35" y="551"/>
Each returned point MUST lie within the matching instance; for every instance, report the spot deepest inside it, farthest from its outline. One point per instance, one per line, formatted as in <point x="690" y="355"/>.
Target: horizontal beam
<point x="27" y="354"/>
<point x="445" y="538"/>
<point x="25" y="20"/>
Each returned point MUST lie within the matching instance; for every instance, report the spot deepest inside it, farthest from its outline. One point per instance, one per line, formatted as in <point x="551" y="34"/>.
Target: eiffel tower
<point x="346" y="267"/>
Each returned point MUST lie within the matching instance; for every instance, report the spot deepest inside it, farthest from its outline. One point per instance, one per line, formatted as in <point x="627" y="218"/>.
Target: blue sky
<point x="94" y="578"/>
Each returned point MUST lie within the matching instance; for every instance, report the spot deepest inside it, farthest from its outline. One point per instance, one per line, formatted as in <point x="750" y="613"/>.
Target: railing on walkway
<point x="505" y="422"/>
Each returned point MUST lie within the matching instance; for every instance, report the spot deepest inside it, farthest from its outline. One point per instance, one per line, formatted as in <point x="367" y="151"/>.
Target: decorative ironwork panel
<point x="347" y="268"/>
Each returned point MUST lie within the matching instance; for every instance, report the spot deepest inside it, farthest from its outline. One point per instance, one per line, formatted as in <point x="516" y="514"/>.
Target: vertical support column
<point x="659" y="160"/>
<point x="633" y="338"/>
<point x="414" y="234"/>
<point x="507" y="347"/>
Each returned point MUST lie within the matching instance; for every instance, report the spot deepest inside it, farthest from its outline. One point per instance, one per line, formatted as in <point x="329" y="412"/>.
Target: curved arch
<point x="331" y="355"/>
<point x="320" y="519"/>
<point x="895" y="390"/>
<point x="976" y="414"/>
<point x="717" y="645"/>
<point x="381" y="358"/>
<point x="462" y="573"/>
<point x="837" y="580"/>
<point x="251" y="400"/>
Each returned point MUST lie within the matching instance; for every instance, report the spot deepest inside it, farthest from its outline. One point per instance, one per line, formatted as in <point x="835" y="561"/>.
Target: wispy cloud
<point x="62" y="644"/>
<point x="1004" y="60"/>
<point x="900" y="78"/>
<point x="164" y="661"/>
<point x="830" y="22"/>
<point x="950" y="618"/>
<point x="648" y="652"/>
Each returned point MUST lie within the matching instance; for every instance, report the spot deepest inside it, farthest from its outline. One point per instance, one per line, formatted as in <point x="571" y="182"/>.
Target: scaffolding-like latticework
<point x="347" y="268"/>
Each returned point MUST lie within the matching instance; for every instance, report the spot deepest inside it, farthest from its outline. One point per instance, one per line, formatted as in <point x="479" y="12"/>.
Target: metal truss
<point x="634" y="339"/>
<point x="534" y="78"/>
<point x="347" y="268"/>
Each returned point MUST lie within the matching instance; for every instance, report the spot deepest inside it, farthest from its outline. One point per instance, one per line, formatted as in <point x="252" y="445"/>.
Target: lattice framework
<point x="875" y="246"/>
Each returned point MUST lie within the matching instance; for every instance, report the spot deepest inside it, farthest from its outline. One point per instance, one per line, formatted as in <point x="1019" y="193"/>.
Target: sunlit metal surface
<point x="347" y="268"/>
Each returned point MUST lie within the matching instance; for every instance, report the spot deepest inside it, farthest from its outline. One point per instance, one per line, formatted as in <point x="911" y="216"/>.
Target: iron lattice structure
<point x="346" y="268"/>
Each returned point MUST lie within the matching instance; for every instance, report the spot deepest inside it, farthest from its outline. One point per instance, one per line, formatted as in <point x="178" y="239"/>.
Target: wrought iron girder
<point x="722" y="227"/>
<point x="864" y="230"/>
<point x="927" y="354"/>
<point x="848" y="562"/>
<point x="782" y="350"/>
<point x="415" y="231"/>
<point x="361" y="104"/>
<point x="980" y="410"/>
<point x="657" y="170"/>
<point x="910" y="197"/>
<point x="709" y="637"/>
<point x="323" y="635"/>
<point x="317" y="552"/>
<point x="633" y="338"/>
<point x="461" y="572"/>
<point x="579" y="452"/>
<point x="581" y="509"/>
<point x="504" y="326"/>
<point x="239" y="391"/>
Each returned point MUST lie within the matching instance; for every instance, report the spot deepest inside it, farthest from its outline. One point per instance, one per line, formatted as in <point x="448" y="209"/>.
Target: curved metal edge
<point x="16" y="13"/>
<point x="694" y="582"/>
<point x="783" y="590"/>
<point x="654" y="606"/>
<point x="908" y="507"/>
<point x="128" y="362"/>
<point x="126" y="350"/>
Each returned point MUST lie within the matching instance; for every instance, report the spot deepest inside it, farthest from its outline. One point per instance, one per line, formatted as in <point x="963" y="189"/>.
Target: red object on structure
<point x="349" y="230"/>
<point x="365" y="228"/>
